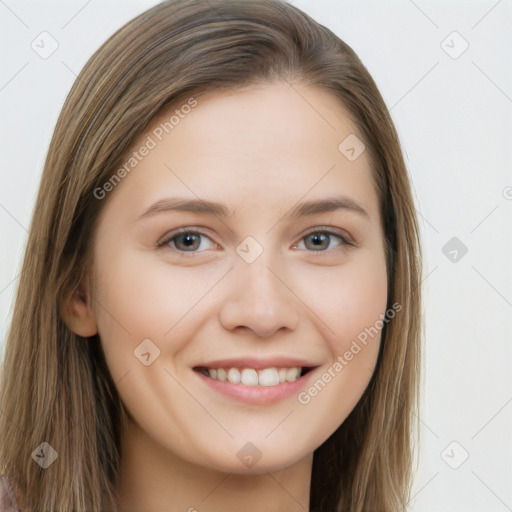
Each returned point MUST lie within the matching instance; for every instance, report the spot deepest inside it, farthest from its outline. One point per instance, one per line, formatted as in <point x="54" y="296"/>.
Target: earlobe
<point x="77" y="312"/>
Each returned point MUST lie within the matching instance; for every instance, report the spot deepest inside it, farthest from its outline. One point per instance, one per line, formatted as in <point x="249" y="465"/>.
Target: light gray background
<point x="454" y="117"/>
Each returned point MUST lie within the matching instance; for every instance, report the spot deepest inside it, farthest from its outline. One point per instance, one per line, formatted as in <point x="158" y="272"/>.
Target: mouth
<point x="255" y="382"/>
<point x="272" y="376"/>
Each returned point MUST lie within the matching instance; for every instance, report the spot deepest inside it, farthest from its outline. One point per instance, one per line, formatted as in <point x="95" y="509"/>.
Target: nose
<point x="259" y="298"/>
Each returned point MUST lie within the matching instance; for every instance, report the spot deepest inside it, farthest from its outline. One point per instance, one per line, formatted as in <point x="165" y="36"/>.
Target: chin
<point x="249" y="460"/>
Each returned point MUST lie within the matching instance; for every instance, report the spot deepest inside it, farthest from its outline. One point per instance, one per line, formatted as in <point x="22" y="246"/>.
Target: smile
<point x="253" y="377"/>
<point x="262" y="386"/>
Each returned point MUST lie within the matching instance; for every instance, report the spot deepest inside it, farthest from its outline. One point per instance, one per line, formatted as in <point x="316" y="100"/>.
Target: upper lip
<point x="259" y="363"/>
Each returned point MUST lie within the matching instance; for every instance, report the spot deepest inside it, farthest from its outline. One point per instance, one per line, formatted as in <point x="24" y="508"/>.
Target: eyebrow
<point x="306" y="208"/>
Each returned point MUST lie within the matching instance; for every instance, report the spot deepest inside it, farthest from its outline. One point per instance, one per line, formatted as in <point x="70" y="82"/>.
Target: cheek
<point x="362" y="299"/>
<point x="362" y="303"/>
<point x="351" y="308"/>
<point x="140" y="299"/>
<point x="348" y="299"/>
<point x="146" y="298"/>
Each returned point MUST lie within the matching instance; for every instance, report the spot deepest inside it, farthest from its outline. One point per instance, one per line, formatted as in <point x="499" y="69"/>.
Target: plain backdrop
<point x="444" y="71"/>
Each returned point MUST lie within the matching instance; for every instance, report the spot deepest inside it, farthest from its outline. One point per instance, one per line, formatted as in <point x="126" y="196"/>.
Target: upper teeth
<point x="252" y="377"/>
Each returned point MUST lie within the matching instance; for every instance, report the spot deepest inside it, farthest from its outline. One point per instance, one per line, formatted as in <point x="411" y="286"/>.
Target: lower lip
<point x="258" y="395"/>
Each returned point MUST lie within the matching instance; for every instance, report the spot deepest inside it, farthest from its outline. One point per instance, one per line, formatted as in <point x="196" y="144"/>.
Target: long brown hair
<point x="55" y="385"/>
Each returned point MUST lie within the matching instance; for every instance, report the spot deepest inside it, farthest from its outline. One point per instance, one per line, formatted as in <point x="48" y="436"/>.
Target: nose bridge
<point x="260" y="277"/>
<point x="258" y="297"/>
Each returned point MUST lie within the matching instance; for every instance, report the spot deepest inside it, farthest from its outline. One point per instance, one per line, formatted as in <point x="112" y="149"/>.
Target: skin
<point x="258" y="151"/>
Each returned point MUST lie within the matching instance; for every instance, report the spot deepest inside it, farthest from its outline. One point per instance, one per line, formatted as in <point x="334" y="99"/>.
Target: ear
<point x="77" y="313"/>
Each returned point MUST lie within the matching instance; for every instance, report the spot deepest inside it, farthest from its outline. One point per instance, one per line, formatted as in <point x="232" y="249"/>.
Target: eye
<point x="184" y="240"/>
<point x="321" y="240"/>
<point x="188" y="240"/>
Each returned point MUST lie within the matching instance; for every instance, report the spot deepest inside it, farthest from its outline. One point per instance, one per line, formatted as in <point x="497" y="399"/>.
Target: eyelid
<point x="179" y="231"/>
<point x="345" y="237"/>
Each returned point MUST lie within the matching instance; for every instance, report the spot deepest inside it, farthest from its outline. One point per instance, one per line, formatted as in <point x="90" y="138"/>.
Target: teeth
<point x="234" y="375"/>
<point x="252" y="377"/>
<point x="292" y="374"/>
<point x="268" y="377"/>
<point x="249" y="377"/>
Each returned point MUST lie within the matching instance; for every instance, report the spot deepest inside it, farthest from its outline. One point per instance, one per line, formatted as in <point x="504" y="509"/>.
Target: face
<point x="272" y="285"/>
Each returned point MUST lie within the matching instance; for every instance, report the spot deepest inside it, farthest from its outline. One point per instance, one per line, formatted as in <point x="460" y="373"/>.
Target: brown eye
<point x="318" y="241"/>
<point x="187" y="241"/>
<point x="183" y="241"/>
<point x="321" y="241"/>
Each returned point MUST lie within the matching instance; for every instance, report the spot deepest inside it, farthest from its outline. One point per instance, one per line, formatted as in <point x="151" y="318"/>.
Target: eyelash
<point x="344" y="240"/>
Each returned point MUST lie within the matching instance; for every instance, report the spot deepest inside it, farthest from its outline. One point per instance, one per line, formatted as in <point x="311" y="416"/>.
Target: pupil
<point x="318" y="239"/>
<point x="189" y="240"/>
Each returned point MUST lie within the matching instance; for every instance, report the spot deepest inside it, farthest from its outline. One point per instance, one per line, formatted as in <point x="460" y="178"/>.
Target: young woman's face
<point x="266" y="283"/>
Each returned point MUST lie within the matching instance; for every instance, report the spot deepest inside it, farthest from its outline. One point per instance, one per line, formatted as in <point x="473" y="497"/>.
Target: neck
<point x="155" y="480"/>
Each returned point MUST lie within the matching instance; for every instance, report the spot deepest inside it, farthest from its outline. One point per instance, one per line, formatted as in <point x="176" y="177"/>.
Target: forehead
<point x="266" y="146"/>
<point x="279" y="115"/>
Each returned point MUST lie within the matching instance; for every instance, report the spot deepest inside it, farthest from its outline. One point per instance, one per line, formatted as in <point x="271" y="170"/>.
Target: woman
<point x="253" y="372"/>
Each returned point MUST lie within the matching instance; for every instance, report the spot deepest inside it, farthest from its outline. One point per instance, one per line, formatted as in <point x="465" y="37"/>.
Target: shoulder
<point x="7" y="499"/>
